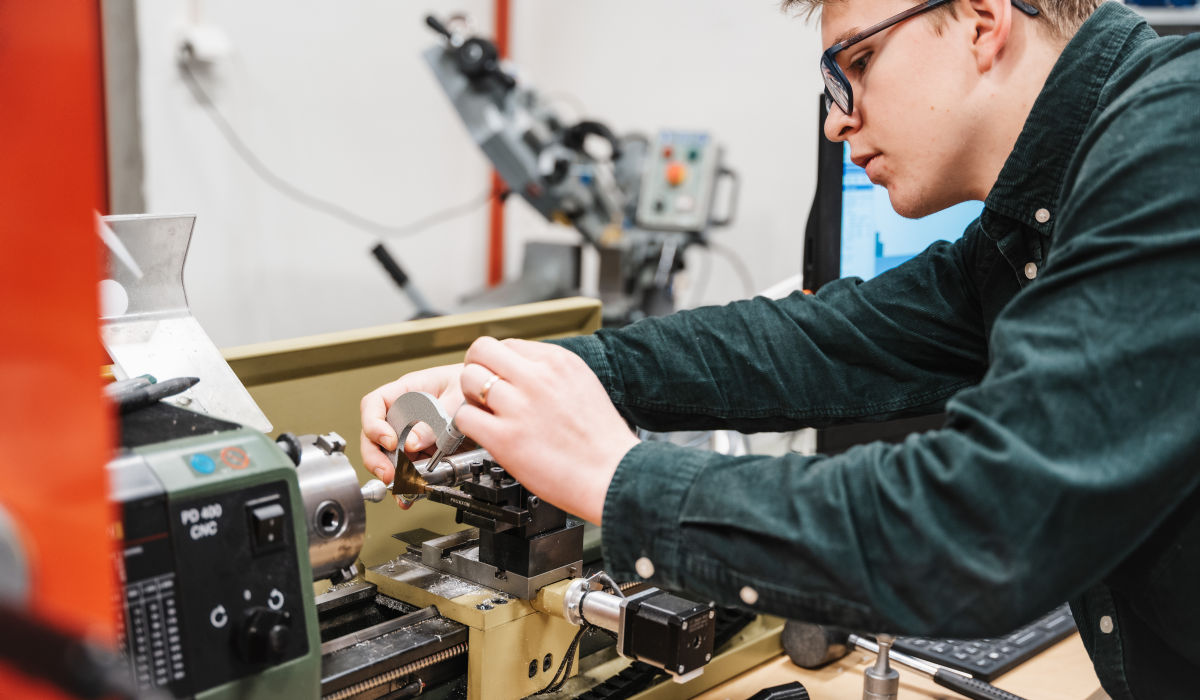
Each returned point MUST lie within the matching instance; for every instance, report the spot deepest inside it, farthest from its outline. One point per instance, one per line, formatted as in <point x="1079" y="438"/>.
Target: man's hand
<point x="546" y="419"/>
<point x="441" y="382"/>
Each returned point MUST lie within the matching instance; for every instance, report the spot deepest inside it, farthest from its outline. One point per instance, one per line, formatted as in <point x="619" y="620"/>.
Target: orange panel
<point x="56" y="428"/>
<point x="495" y="271"/>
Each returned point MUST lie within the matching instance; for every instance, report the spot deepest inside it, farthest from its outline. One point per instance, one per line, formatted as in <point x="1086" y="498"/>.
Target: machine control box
<point x="678" y="182"/>
<point x="213" y="566"/>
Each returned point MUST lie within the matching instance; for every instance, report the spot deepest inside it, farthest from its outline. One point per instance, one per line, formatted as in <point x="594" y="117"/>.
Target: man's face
<point x="912" y="125"/>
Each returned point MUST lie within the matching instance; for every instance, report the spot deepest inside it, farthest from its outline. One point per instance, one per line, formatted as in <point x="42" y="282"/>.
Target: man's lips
<point x="861" y="161"/>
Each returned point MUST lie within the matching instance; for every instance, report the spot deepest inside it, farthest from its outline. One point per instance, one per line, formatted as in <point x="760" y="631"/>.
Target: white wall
<point x="335" y="98"/>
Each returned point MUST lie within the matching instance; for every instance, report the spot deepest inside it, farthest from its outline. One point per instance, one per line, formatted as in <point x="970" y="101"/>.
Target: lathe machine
<point x="254" y="567"/>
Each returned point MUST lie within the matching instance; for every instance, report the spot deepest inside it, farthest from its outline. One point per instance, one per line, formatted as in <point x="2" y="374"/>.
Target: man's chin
<point x="908" y="207"/>
<point x="914" y="207"/>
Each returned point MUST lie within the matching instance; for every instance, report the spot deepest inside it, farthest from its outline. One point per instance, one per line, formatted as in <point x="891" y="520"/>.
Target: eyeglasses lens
<point x="836" y="89"/>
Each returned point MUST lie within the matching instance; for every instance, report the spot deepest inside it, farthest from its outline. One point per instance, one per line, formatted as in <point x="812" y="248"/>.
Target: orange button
<point x="676" y="174"/>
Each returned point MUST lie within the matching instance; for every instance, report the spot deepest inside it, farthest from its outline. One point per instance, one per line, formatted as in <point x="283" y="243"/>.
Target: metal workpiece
<point x="333" y="504"/>
<point x="452" y="468"/>
<point x="415" y="478"/>
<point x="374" y="491"/>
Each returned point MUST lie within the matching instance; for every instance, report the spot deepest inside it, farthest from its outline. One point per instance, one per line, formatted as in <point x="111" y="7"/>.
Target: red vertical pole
<point x="55" y="426"/>
<point x="495" y="273"/>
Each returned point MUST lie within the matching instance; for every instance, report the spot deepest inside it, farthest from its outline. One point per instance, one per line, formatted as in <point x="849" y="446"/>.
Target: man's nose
<point x="839" y="125"/>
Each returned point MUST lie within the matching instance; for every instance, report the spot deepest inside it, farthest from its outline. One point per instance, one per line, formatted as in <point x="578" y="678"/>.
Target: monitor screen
<point x="874" y="238"/>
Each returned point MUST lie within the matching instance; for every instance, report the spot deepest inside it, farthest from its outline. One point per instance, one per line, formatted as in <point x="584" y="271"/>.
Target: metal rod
<point x="914" y="663"/>
<point x="452" y="468"/>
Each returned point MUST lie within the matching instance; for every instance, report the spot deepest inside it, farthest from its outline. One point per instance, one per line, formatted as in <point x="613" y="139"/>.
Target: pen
<point x="118" y="388"/>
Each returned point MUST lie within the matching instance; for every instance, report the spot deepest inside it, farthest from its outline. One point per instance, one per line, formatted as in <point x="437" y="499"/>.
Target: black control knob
<point x="290" y="444"/>
<point x="264" y="635"/>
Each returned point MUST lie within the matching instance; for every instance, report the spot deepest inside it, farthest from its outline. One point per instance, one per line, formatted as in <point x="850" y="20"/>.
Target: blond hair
<point x="1062" y="17"/>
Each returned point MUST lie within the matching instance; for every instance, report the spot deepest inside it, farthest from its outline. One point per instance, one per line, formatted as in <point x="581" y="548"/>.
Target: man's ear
<point x="991" y="21"/>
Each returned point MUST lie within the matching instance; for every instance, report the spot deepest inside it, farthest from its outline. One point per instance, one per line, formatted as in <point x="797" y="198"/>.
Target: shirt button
<point x="644" y="567"/>
<point x="749" y="595"/>
<point x="1042" y="215"/>
<point x="1030" y="270"/>
<point x="1106" y="625"/>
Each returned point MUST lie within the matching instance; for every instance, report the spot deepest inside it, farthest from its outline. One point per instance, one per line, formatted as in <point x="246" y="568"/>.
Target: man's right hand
<point x="441" y="382"/>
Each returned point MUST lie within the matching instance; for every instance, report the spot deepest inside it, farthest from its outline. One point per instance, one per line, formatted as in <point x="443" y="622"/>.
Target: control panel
<point x="214" y="566"/>
<point x="678" y="182"/>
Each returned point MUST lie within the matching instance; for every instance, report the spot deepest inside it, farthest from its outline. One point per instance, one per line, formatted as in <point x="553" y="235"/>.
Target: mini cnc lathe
<point x="479" y="591"/>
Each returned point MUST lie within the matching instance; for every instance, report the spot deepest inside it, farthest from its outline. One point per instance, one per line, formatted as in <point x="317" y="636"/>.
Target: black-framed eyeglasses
<point x="837" y="86"/>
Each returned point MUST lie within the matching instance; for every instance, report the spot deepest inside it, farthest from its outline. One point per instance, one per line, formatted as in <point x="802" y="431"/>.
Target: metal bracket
<point x="147" y="327"/>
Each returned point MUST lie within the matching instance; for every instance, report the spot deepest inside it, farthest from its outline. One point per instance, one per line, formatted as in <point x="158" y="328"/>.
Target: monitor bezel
<point x="823" y="234"/>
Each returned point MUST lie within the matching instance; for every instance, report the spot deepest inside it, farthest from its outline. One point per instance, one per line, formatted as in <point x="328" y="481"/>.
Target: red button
<point x="235" y="457"/>
<point x="668" y="151"/>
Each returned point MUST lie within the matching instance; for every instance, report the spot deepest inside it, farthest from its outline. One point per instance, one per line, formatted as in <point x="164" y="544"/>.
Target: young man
<point x="1061" y="334"/>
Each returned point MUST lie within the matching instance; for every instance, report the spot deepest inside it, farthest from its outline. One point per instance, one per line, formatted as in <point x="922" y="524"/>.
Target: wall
<point x="335" y="99"/>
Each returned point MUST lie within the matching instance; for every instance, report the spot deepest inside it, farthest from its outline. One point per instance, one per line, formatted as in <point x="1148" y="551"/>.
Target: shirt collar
<point x="1032" y="177"/>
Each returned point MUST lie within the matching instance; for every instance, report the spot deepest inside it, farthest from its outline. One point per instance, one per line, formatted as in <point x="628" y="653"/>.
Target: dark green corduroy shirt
<point x="1061" y="334"/>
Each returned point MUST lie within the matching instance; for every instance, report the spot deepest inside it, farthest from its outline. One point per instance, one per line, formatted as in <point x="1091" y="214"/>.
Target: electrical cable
<point x="739" y="266"/>
<point x="702" y="278"/>
<point x="293" y="192"/>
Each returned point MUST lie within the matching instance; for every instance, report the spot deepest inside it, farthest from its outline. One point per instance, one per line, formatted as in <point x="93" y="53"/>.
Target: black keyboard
<point x="988" y="658"/>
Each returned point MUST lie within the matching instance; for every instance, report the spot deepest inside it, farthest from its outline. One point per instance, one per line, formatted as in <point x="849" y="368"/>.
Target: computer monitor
<point x="854" y="232"/>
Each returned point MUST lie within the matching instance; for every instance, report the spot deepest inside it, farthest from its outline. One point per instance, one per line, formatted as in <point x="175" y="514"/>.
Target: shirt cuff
<point x="640" y="534"/>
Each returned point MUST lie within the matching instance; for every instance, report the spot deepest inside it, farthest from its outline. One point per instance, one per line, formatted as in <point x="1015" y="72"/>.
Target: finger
<point x="374" y="407"/>
<point x="481" y="426"/>
<point x="500" y="358"/>
<point x="380" y="432"/>
<point x="374" y="460"/>
<point x="477" y="378"/>
<point x="535" y="350"/>
<point x="421" y="437"/>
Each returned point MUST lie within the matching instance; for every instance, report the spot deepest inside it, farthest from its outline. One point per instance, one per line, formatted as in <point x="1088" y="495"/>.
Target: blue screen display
<point x="875" y="238"/>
